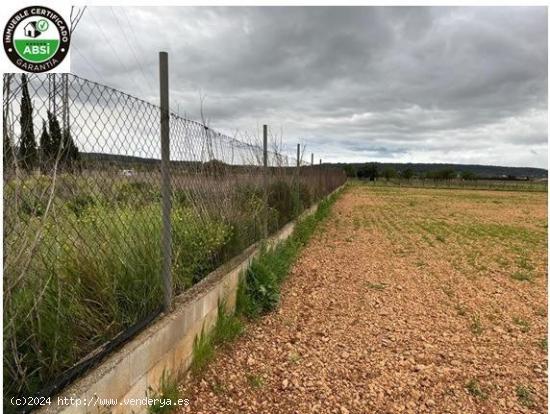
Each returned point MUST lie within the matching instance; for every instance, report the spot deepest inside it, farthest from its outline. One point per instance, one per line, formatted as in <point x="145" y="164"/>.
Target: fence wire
<point x="82" y="215"/>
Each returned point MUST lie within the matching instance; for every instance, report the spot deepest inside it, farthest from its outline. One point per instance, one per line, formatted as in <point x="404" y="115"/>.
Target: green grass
<point x="476" y="327"/>
<point x="460" y="310"/>
<point x="474" y="388"/>
<point x="227" y="328"/>
<point x="255" y="381"/>
<point x="523" y="324"/>
<point x="258" y="291"/>
<point x="105" y="277"/>
<point x="203" y="352"/>
<point x="168" y="394"/>
<point x="376" y="286"/>
<point x="522" y="276"/>
<point x="525" y="396"/>
<point x="95" y="262"/>
<point x="259" y="288"/>
<point x="543" y="344"/>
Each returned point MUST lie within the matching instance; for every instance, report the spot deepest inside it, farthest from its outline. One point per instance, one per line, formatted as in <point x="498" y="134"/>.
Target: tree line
<point x="56" y="148"/>
<point x="371" y="171"/>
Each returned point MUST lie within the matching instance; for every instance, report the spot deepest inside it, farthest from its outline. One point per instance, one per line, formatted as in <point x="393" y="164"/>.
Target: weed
<point x="227" y="327"/>
<point x="448" y="291"/>
<point x="440" y="238"/>
<point x="522" y="323"/>
<point x="376" y="286"/>
<point x="460" y="309"/>
<point x="524" y="263"/>
<point x="525" y="395"/>
<point x="476" y="326"/>
<point x="474" y="388"/>
<point x="203" y="352"/>
<point x="543" y="344"/>
<point x="165" y="400"/>
<point x="522" y="276"/>
<point x="218" y="388"/>
<point x="258" y="291"/>
<point x="294" y="357"/>
<point x="255" y="381"/>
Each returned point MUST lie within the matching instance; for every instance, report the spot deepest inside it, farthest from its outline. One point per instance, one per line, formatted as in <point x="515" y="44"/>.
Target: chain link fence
<point x="83" y="217"/>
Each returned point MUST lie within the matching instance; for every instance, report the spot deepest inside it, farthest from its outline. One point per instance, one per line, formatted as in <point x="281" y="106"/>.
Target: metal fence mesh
<point x="82" y="215"/>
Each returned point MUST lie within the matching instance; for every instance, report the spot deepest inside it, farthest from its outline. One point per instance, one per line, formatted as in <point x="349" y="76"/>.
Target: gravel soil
<point x="405" y="300"/>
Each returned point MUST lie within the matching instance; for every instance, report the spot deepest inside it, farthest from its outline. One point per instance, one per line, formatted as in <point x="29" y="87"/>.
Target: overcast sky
<point x="459" y="85"/>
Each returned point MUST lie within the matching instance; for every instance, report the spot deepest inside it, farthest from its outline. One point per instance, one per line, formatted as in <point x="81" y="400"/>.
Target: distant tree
<point x="62" y="146"/>
<point x="214" y="168"/>
<point x="443" y="174"/>
<point x="45" y="149"/>
<point x="56" y="139"/>
<point x="28" y="153"/>
<point x="350" y="170"/>
<point x="7" y="148"/>
<point x="7" y="139"/>
<point x="388" y="173"/>
<point x="468" y="175"/>
<point x="71" y="155"/>
<point x="407" y="173"/>
<point x="368" y="171"/>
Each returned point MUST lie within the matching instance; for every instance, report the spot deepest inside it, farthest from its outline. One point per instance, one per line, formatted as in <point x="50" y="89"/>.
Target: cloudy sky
<point x="459" y="85"/>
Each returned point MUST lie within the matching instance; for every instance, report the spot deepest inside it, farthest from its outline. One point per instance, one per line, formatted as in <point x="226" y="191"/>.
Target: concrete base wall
<point x="166" y="345"/>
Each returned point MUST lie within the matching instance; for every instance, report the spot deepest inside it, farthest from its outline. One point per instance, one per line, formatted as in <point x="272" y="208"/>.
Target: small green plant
<point x="543" y="344"/>
<point x="476" y="326"/>
<point x="227" y="328"/>
<point x="376" y="286"/>
<point x="258" y="291"/>
<point x="218" y="388"/>
<point x="294" y="357"/>
<point x="474" y="388"/>
<point x="203" y="352"/>
<point x="460" y="309"/>
<point x="165" y="399"/>
<point x="524" y="263"/>
<point x="523" y="324"/>
<point x="255" y="381"/>
<point x="440" y="238"/>
<point x="522" y="276"/>
<point x="525" y="395"/>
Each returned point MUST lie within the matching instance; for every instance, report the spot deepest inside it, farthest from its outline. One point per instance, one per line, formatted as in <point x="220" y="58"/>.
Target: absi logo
<point x="36" y="39"/>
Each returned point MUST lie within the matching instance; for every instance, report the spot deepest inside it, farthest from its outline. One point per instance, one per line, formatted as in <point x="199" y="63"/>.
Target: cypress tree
<point x="71" y="154"/>
<point x="7" y="148"/>
<point x="27" y="147"/>
<point x="56" y="142"/>
<point x="46" y="149"/>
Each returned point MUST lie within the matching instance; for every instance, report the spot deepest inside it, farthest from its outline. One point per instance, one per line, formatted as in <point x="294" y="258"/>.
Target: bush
<point x="280" y="198"/>
<point x="91" y="277"/>
<point x="135" y="192"/>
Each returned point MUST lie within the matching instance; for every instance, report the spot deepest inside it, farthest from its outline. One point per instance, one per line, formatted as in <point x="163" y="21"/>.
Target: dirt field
<point x="406" y="300"/>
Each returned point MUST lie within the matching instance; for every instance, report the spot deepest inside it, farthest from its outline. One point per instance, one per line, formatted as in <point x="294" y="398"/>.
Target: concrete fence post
<point x="165" y="182"/>
<point x="266" y="185"/>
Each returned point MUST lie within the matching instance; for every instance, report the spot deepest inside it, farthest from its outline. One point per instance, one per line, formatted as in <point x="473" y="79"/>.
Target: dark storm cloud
<point x="401" y="84"/>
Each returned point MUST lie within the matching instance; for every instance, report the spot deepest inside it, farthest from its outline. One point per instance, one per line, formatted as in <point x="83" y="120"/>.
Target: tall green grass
<point x="259" y="290"/>
<point x="105" y="276"/>
<point x="82" y="269"/>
